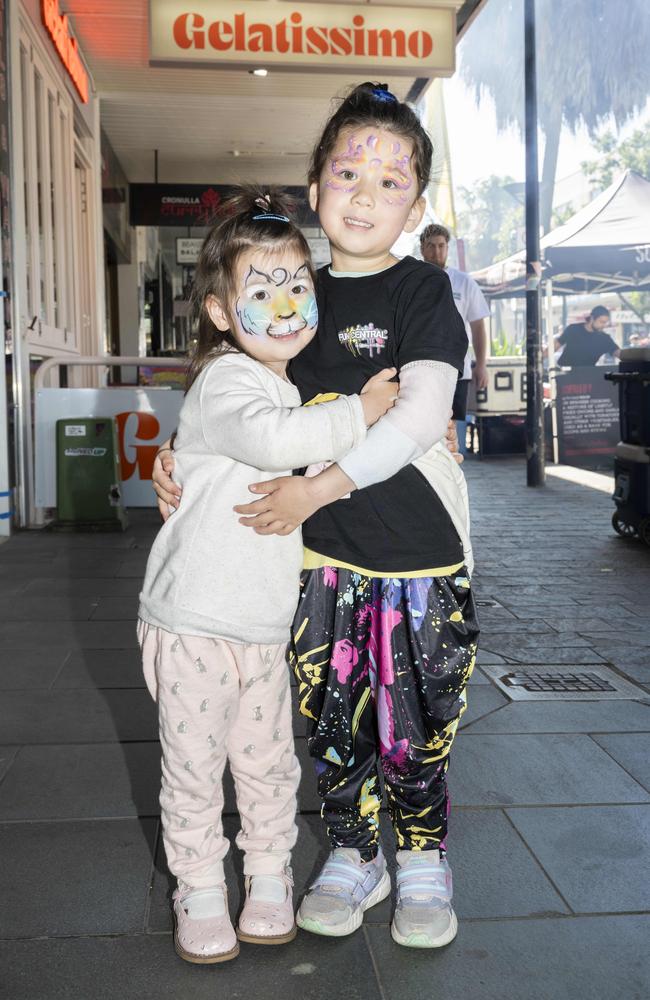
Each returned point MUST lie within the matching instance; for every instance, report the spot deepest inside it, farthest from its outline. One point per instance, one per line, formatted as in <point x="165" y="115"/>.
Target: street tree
<point x="592" y="66"/>
<point x="615" y="157"/>
<point x="490" y="220"/>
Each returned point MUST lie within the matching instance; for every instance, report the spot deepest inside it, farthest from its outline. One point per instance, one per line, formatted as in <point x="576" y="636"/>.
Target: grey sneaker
<point x="423" y="915"/>
<point x="344" y="890"/>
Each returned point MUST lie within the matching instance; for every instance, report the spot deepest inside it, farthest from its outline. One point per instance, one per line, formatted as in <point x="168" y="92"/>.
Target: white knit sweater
<point x="207" y="574"/>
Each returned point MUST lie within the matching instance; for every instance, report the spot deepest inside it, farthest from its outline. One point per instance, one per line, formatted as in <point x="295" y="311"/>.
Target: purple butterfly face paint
<point x="366" y="196"/>
<point x="373" y="161"/>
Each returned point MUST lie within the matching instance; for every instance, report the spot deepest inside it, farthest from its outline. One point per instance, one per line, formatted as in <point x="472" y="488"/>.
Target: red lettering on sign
<point x="147" y="428"/>
<point x="182" y="36"/>
<point x="291" y="36"/>
<point x="59" y="31"/>
<point x="217" y="33"/>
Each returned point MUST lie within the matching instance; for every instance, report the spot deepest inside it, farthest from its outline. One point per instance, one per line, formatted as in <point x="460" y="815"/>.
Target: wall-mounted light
<point x="259" y="72"/>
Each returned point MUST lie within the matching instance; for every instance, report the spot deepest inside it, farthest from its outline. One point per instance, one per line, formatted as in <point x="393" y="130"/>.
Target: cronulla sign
<point x="320" y="36"/>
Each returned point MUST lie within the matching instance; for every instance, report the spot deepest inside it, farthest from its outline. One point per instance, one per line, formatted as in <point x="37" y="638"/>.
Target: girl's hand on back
<point x="451" y="440"/>
<point x="167" y="491"/>
<point x="378" y="395"/>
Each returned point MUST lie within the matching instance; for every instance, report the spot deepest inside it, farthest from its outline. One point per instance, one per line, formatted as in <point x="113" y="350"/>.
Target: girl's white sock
<point x="268" y="889"/>
<point x="201" y="904"/>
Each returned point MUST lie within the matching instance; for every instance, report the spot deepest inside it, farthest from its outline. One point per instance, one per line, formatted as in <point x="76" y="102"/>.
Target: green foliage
<point x="640" y="301"/>
<point x="501" y="347"/>
<point x="491" y="221"/>
<point x="633" y="153"/>
<point x="562" y="215"/>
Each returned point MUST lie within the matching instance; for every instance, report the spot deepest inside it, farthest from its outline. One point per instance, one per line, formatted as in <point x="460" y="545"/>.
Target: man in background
<point x="471" y="304"/>
<point x="584" y="343"/>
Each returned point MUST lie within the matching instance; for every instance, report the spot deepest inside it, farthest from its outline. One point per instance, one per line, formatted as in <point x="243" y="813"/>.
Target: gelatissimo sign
<point x="58" y="29"/>
<point x="320" y="36"/>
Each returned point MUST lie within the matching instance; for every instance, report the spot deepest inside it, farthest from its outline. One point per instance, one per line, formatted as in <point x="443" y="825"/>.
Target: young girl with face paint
<point x="217" y="601"/>
<point x="384" y="638"/>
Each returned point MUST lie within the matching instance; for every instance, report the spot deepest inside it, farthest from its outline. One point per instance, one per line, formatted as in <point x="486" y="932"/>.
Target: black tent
<point x="605" y="247"/>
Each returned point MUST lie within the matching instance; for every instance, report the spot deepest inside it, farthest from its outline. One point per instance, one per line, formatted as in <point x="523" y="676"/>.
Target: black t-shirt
<point x="583" y="346"/>
<point x="403" y="314"/>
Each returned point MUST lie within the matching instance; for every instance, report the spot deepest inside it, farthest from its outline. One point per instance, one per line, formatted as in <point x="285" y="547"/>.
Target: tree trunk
<point x="552" y="129"/>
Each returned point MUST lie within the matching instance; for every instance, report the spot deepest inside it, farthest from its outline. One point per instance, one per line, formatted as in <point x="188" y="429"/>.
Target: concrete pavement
<point x="549" y="832"/>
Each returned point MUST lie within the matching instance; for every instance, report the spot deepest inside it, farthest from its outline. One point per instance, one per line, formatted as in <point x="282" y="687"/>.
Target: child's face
<point x="367" y="194"/>
<point x="273" y="314"/>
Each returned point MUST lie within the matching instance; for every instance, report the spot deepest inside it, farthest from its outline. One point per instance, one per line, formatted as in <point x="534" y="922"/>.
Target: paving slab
<point x="77" y="716"/>
<point x="30" y="607"/>
<point x="80" y="564"/>
<point x="116" y="609"/>
<point x="82" y="634"/>
<point x="532" y="626"/>
<point x="597" y="857"/>
<point x="145" y="966"/>
<point x="583" y="626"/>
<point x="536" y="770"/>
<point x="82" y="781"/>
<point x="23" y="669"/>
<point x="486" y="658"/>
<point x="572" y="651"/>
<point x="7" y="757"/>
<point x="82" y="586"/>
<point x="101" y="668"/>
<point x="134" y="565"/>
<point x="482" y="700"/>
<point x="566" y="958"/>
<point x="567" y="717"/>
<point x="627" y="653"/>
<point x="78" y="877"/>
<point x="48" y="540"/>
<point x="632" y="751"/>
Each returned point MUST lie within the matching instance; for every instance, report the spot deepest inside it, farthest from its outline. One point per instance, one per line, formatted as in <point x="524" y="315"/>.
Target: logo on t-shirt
<point x="366" y="337"/>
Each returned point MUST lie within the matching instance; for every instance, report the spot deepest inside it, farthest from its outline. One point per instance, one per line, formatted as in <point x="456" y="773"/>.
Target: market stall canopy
<point x="605" y="247"/>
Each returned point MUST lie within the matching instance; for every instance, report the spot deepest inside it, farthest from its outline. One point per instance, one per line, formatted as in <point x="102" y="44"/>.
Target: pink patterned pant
<point x="220" y="701"/>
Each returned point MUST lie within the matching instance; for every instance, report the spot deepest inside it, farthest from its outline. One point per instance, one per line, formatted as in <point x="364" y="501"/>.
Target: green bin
<point x="88" y="487"/>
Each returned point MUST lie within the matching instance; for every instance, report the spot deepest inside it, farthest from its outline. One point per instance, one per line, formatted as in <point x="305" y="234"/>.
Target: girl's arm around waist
<point x="417" y="421"/>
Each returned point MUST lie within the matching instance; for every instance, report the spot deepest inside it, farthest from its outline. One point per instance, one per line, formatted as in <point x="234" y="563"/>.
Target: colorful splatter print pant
<point x="383" y="666"/>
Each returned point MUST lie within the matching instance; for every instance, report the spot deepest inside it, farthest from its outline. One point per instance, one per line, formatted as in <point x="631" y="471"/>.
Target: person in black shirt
<point x="385" y="634"/>
<point x="584" y="343"/>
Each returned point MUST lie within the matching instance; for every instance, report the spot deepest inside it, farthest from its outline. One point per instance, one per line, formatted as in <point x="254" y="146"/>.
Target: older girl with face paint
<point x="384" y="638"/>
<point x="217" y="601"/>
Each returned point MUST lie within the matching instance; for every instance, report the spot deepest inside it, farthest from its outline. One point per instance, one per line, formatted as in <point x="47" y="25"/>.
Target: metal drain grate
<point x="487" y="602"/>
<point x="558" y="683"/>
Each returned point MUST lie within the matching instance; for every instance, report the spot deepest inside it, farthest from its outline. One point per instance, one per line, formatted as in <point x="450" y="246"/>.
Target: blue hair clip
<point x="270" y="215"/>
<point x="384" y="95"/>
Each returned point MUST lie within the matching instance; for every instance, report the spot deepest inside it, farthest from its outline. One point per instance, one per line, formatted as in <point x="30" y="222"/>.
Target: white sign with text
<point x="144" y="419"/>
<point x="354" y="38"/>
